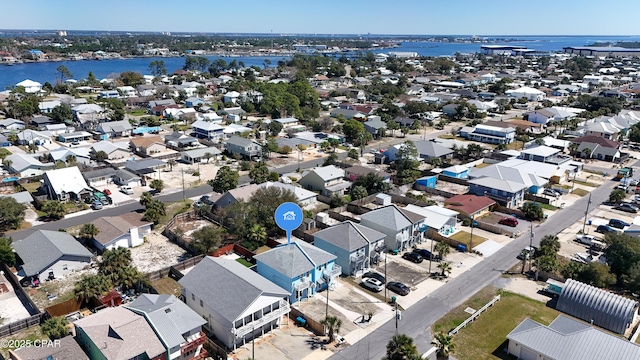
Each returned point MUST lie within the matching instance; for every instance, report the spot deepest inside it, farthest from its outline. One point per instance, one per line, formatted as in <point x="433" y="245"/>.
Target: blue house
<point x="300" y="268"/>
<point x="456" y="171"/>
<point x="193" y="102"/>
<point x="427" y="181"/>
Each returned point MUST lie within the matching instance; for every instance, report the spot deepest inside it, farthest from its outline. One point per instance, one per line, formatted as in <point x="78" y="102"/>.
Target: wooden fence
<point x="20" y="325"/>
<point x="450" y="179"/>
<point x="535" y="198"/>
<point x="506" y="210"/>
<point x="31" y="307"/>
<point x="71" y="305"/>
<point x="311" y="324"/>
<point x="163" y="273"/>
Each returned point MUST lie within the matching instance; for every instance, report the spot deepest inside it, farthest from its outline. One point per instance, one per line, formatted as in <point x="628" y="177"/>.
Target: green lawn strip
<point x="167" y="286"/>
<point x="585" y="183"/>
<point x="485" y="337"/>
<point x="548" y="207"/>
<point x="580" y="192"/>
<point x="31" y="187"/>
<point x="463" y="237"/>
<point x="244" y="262"/>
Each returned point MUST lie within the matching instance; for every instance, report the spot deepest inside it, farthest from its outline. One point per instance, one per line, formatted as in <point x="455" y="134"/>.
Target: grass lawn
<point x="548" y="207"/>
<point x="485" y="337"/>
<point x="585" y="183"/>
<point x="31" y="187"/>
<point x="175" y="208"/>
<point x="167" y="286"/>
<point x="580" y="192"/>
<point x="446" y="136"/>
<point x="463" y="237"/>
<point x="244" y="262"/>
<point x="138" y="112"/>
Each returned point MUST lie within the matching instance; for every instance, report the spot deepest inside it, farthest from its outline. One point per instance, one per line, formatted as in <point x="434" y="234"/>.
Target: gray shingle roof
<point x="169" y="316"/>
<point x="431" y="149"/>
<point x="349" y="236"/>
<point x="569" y="339"/>
<point x="239" y="141"/>
<point x="66" y="349"/>
<point x="227" y="286"/>
<point x="389" y="216"/>
<point x="294" y="259"/>
<point x="43" y="248"/>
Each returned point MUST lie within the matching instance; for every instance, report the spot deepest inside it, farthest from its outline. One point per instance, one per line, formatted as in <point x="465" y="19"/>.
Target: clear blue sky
<point x="421" y="17"/>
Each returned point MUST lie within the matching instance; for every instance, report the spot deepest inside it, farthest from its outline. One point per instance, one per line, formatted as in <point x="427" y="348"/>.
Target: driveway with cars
<point x="494" y="218"/>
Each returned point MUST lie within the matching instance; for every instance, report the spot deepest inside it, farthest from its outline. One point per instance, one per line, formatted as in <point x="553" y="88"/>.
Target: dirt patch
<point x="62" y="287"/>
<point x="188" y="228"/>
<point x="157" y="253"/>
<point x="167" y="286"/>
<point x="397" y="271"/>
<point x="356" y="303"/>
<point x="315" y="308"/>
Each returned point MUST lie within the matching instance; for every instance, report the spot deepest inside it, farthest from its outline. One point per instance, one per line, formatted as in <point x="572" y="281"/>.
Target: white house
<point x="237" y="303"/>
<point x="30" y="86"/>
<point x="65" y="184"/>
<point x="529" y="93"/>
<point x="127" y="230"/>
<point x="231" y="97"/>
<point x="24" y="165"/>
<point x="127" y="91"/>
<point x="327" y="179"/>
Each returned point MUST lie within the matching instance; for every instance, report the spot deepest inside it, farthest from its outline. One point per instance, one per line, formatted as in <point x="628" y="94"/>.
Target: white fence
<point x="474" y="316"/>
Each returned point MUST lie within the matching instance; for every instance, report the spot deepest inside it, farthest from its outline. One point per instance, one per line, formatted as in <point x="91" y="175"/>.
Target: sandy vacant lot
<point x="157" y="253"/>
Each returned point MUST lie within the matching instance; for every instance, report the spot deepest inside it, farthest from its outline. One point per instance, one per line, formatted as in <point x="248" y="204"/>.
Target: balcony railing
<point x="331" y="273"/>
<point x="355" y="259"/>
<point x="304" y="283"/>
<point x="267" y="318"/>
<point x="193" y="342"/>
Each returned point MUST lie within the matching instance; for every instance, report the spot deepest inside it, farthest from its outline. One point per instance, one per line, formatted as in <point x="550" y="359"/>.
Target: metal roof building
<point x="597" y="306"/>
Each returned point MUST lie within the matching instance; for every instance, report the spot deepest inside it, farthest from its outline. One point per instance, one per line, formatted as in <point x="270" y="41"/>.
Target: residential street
<point x="417" y="320"/>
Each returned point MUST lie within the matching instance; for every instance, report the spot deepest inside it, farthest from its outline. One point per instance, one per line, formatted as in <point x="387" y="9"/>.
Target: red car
<point x="509" y="221"/>
<point x="107" y="192"/>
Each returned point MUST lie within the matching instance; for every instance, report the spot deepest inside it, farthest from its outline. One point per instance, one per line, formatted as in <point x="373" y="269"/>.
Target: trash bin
<point x="589" y="222"/>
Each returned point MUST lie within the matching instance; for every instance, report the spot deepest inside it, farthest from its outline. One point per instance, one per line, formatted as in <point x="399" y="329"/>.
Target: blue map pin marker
<point x="288" y="217"/>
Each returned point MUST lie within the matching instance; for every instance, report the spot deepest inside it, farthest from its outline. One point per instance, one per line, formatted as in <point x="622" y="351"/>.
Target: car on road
<point x="426" y="254"/>
<point x="413" y="257"/>
<point x="618" y="224"/>
<point x="398" y="288"/>
<point x="626" y="207"/>
<point x="605" y="229"/>
<point x="527" y="253"/>
<point x="374" y="275"/>
<point x="551" y="192"/>
<point x="126" y="189"/>
<point x="509" y="221"/>
<point x="373" y="284"/>
<point x="96" y="205"/>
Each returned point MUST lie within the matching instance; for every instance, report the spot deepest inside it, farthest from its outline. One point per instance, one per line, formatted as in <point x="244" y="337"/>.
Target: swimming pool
<point x="10" y="179"/>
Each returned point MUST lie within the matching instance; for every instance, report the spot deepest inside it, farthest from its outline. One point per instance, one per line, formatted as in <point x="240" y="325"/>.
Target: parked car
<point x="527" y="253"/>
<point x="413" y="257"/>
<point x="373" y="284"/>
<point x="126" y="189"/>
<point x="605" y="229"/>
<point x="551" y="192"/>
<point x="374" y="275"/>
<point x="398" y="288"/>
<point x="509" y="221"/>
<point x="626" y="207"/>
<point x="106" y="191"/>
<point x="622" y="187"/>
<point x="96" y="205"/>
<point x="633" y="182"/>
<point x="75" y="142"/>
<point x="426" y="254"/>
<point x="585" y="239"/>
<point x="618" y="224"/>
<point x="206" y="200"/>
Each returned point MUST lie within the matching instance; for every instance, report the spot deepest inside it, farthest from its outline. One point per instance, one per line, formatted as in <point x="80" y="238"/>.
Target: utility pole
<point x="586" y="212"/>
<point x="531" y="246"/>
<point x="253" y="344"/>
<point x="471" y="235"/>
<point x="396" y="301"/>
<point x="184" y="197"/>
<point x="326" y="308"/>
<point x="385" y="277"/>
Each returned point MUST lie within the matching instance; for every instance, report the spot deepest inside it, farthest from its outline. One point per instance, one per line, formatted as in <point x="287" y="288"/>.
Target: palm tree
<point x="257" y="234"/>
<point x="401" y="347"/>
<point x="332" y="324"/>
<point x="88" y="231"/>
<point x="171" y="162"/>
<point x="549" y="245"/>
<point x="71" y="159"/>
<point x="443" y="249"/>
<point x="573" y="147"/>
<point x="208" y="156"/>
<point x="445" y="345"/>
<point x="90" y="286"/>
<point x="539" y="141"/>
<point x="7" y="164"/>
<point x="113" y="260"/>
<point x="128" y="277"/>
<point x="445" y="267"/>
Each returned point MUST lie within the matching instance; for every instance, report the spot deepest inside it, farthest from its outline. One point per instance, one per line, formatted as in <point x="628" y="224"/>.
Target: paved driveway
<point x="494" y="218"/>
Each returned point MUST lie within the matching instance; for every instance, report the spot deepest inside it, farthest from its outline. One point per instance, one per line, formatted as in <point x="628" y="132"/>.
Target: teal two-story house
<point x="300" y="268"/>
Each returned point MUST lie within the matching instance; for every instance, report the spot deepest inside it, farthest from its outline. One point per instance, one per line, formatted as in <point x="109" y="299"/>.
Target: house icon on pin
<point x="289" y="215"/>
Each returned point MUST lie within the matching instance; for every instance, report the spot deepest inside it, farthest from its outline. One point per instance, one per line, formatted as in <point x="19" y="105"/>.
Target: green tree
<point x="88" y="231"/>
<point x="54" y="209"/>
<point x="443" y="249"/>
<point x="237" y="218"/>
<point x="7" y="256"/>
<point x="4" y="153"/>
<point x="61" y="113"/>
<point x="157" y="185"/>
<point x="225" y="180"/>
<point x="616" y="196"/>
<point x="71" y="160"/>
<point x="445" y="267"/>
<point x="155" y="210"/>
<point x="101" y="155"/>
<point x="64" y="73"/>
<point x="358" y="192"/>
<point x="597" y="274"/>
<point x="533" y="211"/>
<point x="171" y="163"/>
<point x="334" y="143"/>
<point x="407" y="163"/>
<point x="257" y="236"/>
<point x="352" y="129"/>
<point x="131" y="78"/>
<point x="55" y="327"/>
<point x="157" y="68"/>
<point x="444" y="344"/>
<point x="372" y="182"/>
<point x="11" y="213"/>
<point x="332" y="159"/>
<point x="207" y="239"/>
<point x="128" y="277"/>
<point x="264" y="203"/>
<point x="548" y="263"/>
<point x="145" y="198"/>
<point x="91" y="285"/>
<point x="573" y="270"/>
<point x="113" y="260"/>
<point x="259" y="174"/>
<point x="401" y="347"/>
<point x="623" y="254"/>
<point x="332" y="325"/>
<point x="549" y="245"/>
<point x="353" y="153"/>
<point x="274" y="128"/>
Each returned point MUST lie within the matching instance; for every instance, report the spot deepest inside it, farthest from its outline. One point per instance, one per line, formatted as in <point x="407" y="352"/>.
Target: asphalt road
<point x="417" y="320"/>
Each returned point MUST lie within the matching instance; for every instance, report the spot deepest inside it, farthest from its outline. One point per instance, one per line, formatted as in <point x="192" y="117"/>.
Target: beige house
<point x="328" y="180"/>
<point x="147" y="145"/>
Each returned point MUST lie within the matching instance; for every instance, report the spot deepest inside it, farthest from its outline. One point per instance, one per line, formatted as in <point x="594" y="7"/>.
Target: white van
<point x="126" y="189"/>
